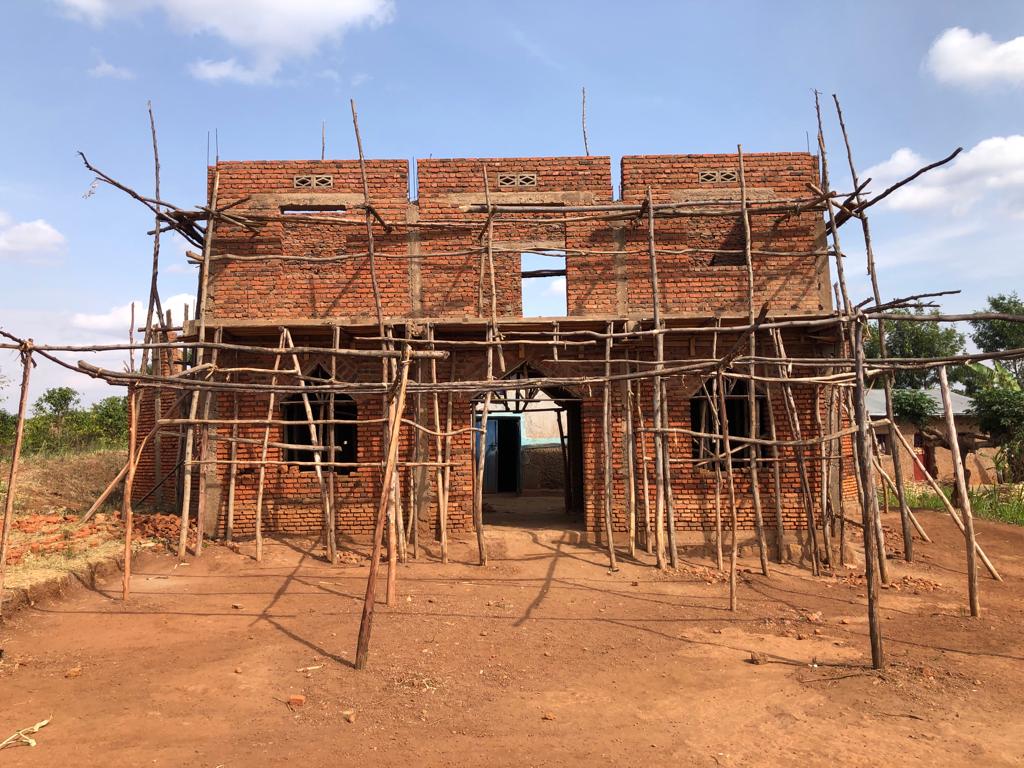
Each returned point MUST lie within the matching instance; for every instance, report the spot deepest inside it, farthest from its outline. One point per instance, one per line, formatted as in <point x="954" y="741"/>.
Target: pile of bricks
<point x="164" y="528"/>
<point x="52" y="534"/>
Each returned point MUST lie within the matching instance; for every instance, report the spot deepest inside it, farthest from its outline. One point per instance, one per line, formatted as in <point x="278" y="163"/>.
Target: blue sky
<point x="473" y="78"/>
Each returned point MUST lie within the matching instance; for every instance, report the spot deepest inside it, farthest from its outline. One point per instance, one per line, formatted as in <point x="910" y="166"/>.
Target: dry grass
<point x="52" y="491"/>
<point x="51" y="484"/>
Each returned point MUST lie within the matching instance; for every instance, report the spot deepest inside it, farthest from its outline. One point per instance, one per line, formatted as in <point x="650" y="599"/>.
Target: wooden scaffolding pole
<point x="657" y="392"/>
<point x="479" y="453"/>
<point x="754" y="421"/>
<point x="12" y="475"/>
<point x="794" y="426"/>
<point x="261" y="481"/>
<point x="887" y="379"/>
<point x="316" y="444"/>
<point x="606" y="439"/>
<point x="435" y="402"/>
<point x="232" y="469"/>
<point x="391" y="587"/>
<point x="332" y="452"/>
<point x="717" y="427"/>
<point x="628" y="460"/>
<point x="129" y="482"/>
<point x="726" y="451"/>
<point x="869" y="508"/>
<point x="204" y="281"/>
<point x="641" y="438"/>
<point x="204" y="448"/>
<point x="961" y="486"/>
<point x="780" y="531"/>
<point x="396" y="396"/>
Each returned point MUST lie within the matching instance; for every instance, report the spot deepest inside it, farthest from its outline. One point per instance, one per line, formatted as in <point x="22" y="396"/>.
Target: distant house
<point x="938" y="460"/>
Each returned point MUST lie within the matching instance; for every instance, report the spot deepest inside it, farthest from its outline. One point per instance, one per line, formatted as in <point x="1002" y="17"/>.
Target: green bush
<point x="58" y="424"/>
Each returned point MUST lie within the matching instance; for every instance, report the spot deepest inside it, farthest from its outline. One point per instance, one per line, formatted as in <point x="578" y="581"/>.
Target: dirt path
<point x="542" y="659"/>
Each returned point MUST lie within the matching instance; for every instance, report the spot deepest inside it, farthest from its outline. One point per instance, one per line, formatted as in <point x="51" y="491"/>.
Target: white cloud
<point x="64" y="327"/>
<point x="115" y="322"/>
<point x="990" y="173"/>
<point x="230" y="69"/>
<point x="105" y="69"/>
<point x="270" y="31"/>
<point x="961" y="57"/>
<point x="28" y="240"/>
<point x="557" y="286"/>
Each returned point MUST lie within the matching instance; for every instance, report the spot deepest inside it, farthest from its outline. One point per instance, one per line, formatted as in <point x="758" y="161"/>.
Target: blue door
<point x="501" y="454"/>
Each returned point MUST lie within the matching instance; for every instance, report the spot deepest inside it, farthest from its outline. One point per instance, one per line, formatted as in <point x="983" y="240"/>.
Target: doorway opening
<point x="532" y="459"/>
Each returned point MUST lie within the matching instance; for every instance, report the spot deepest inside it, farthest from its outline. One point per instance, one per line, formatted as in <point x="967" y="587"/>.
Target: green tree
<point x="110" y="419"/>
<point x="8" y="421"/>
<point x="914" y="405"/>
<point x="52" y="416"/>
<point x="999" y="408"/>
<point x="918" y="338"/>
<point x="1000" y="335"/>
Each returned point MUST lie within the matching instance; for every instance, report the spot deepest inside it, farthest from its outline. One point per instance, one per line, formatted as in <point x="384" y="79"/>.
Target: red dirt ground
<point x="543" y="658"/>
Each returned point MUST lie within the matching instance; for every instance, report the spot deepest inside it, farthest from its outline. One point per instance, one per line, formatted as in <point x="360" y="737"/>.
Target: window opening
<point x="296" y="431"/>
<point x="544" y="284"/>
<point x="737" y="409"/>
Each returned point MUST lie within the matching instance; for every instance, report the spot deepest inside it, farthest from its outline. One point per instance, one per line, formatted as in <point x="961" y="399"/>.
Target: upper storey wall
<point x="266" y="289"/>
<point x="435" y="272"/>
<point x="701" y="260"/>
<point x="448" y="187"/>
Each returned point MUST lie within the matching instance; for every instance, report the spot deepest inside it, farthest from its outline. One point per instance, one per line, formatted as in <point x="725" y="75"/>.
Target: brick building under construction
<point x="668" y="276"/>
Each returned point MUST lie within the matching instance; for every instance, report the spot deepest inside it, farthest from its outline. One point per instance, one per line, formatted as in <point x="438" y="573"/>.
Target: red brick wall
<point x="428" y="272"/>
<point x="270" y="289"/>
<point x="692" y="281"/>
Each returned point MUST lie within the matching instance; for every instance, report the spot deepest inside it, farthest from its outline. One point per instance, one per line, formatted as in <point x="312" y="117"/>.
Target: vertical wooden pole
<point x="961" y="485"/>
<point x="713" y="401"/>
<point x="447" y="473"/>
<point x="794" y="425"/>
<point x="316" y="443"/>
<point x="657" y="391"/>
<point x="566" y="482"/>
<point x="606" y="435"/>
<point x="887" y="379"/>
<point x="480" y="452"/>
<point x="391" y="587"/>
<point x="780" y="532"/>
<point x="204" y="449"/>
<point x="826" y="536"/>
<point x="726" y="452"/>
<point x="670" y="503"/>
<point x="332" y="452"/>
<point x="640" y="436"/>
<point x="883" y="563"/>
<point x="395" y="425"/>
<point x="261" y="481"/>
<point x="628" y="447"/>
<point x="868" y="510"/>
<point x="753" y="426"/>
<point x="837" y="423"/>
<point x="204" y="281"/>
<point x="435" y="402"/>
<point x="232" y="468"/>
<point x="12" y="476"/>
<point x="129" y="482"/>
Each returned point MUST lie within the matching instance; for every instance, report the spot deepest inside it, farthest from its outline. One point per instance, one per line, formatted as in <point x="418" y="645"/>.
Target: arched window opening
<point x="296" y="431"/>
<point x="704" y="410"/>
